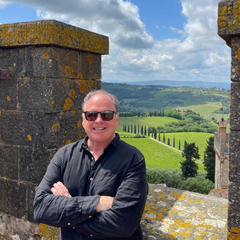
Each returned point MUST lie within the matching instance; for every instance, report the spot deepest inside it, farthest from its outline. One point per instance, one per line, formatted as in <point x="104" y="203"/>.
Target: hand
<point x="60" y="190"/>
<point x="105" y="202"/>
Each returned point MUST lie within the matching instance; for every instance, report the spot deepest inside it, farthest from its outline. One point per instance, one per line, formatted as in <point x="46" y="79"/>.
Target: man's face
<point x="100" y="131"/>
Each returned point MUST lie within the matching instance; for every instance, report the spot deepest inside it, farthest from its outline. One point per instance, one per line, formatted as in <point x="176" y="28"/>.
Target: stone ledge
<point x="52" y="32"/>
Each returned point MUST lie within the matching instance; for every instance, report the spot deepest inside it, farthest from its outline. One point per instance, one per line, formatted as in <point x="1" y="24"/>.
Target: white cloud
<point x="200" y="54"/>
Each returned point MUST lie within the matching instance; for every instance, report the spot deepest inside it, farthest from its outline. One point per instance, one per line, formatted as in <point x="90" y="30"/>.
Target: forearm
<point x="61" y="211"/>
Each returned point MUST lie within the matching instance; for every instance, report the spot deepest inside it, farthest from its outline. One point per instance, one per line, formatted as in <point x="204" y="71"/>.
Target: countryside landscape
<point x="160" y="120"/>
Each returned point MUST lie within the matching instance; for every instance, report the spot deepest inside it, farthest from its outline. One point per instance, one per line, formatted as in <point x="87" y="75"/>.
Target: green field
<point x="206" y="110"/>
<point x="144" y="121"/>
<point x="158" y="155"/>
<point x="198" y="138"/>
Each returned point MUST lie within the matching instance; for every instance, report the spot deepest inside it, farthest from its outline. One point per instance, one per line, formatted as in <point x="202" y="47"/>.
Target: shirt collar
<point x="113" y="143"/>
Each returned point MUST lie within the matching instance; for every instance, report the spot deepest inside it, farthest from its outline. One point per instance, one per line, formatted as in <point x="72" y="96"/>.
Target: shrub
<point x="197" y="184"/>
<point x="154" y="175"/>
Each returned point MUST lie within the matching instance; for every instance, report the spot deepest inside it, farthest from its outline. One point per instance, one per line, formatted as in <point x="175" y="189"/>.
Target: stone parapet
<point x="46" y="70"/>
<point x="54" y="33"/>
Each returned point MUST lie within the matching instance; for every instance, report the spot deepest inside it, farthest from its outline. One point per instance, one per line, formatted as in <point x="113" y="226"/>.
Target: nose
<point x="99" y="118"/>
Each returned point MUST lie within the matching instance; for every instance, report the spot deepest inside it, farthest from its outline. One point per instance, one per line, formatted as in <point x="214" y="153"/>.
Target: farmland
<point x="158" y="155"/>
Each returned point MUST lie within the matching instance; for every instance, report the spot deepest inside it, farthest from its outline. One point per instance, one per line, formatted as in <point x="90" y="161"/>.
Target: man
<point x="95" y="188"/>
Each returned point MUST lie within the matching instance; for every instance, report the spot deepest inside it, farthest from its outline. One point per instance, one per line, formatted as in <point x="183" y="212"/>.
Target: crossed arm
<point x="104" y="203"/>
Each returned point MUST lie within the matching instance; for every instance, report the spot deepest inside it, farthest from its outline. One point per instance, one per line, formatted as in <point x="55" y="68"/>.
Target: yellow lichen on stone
<point x="46" y="55"/>
<point x="48" y="232"/>
<point x="80" y="76"/>
<point x="222" y="21"/>
<point x="222" y="11"/>
<point x="50" y="32"/>
<point x="72" y="93"/>
<point x="29" y="137"/>
<point x="68" y="71"/>
<point x="56" y="127"/>
<point x="8" y="98"/>
<point x="68" y="141"/>
<point x="90" y="83"/>
<point x="79" y="124"/>
<point x="68" y="104"/>
<point x="82" y="85"/>
<point x="90" y="58"/>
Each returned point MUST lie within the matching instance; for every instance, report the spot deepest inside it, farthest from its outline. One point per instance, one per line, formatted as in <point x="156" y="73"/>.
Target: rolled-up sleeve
<point x="124" y="217"/>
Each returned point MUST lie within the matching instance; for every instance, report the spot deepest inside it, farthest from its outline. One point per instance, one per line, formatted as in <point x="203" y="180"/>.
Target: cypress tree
<point x="179" y="145"/>
<point x="174" y="141"/>
<point x="168" y="142"/>
<point x="163" y="137"/>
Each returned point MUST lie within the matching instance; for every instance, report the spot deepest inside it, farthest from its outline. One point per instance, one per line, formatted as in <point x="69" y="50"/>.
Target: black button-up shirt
<point x="119" y="172"/>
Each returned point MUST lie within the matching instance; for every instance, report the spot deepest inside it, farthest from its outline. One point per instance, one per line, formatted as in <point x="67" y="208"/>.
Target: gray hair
<point x="90" y="94"/>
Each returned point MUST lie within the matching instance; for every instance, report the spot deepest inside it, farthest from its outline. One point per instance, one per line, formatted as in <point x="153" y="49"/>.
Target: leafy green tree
<point x="209" y="159"/>
<point x="189" y="167"/>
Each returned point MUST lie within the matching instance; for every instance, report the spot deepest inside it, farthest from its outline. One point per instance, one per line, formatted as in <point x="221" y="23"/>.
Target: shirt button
<point x="91" y="179"/>
<point x="92" y="158"/>
<point x="69" y="224"/>
<point x="89" y="216"/>
<point x="91" y="235"/>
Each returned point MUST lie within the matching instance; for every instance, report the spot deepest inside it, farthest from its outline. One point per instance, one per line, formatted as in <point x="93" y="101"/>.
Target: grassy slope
<point x="158" y="155"/>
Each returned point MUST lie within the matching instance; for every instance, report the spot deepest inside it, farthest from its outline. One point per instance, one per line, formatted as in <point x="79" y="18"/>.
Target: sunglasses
<point x="105" y="115"/>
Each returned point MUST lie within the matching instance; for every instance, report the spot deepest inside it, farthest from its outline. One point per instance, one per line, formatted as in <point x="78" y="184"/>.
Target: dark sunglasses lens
<point x="91" y="116"/>
<point x="107" y="115"/>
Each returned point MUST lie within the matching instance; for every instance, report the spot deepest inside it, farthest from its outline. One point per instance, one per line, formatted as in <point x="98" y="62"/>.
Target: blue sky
<point x="149" y="39"/>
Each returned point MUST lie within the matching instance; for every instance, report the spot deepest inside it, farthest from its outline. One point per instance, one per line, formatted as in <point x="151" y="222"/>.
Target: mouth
<point x="98" y="129"/>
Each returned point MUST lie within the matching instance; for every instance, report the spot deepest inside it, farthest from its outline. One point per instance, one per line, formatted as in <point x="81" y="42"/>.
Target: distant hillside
<point x="225" y="85"/>
<point x="145" y="98"/>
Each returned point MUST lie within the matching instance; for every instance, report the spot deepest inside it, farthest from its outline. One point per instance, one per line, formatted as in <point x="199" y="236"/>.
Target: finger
<point x="54" y="191"/>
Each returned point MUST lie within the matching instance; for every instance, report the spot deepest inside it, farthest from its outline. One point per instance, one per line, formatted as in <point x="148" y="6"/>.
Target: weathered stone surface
<point x="53" y="95"/>
<point x="13" y="197"/>
<point x="36" y="129"/>
<point x="234" y="156"/>
<point x="9" y="156"/>
<point x="14" y="60"/>
<point x="177" y="214"/>
<point x="17" y="128"/>
<point x="228" y="19"/>
<point x="9" y="94"/>
<point x="33" y="163"/>
<point x="235" y="106"/>
<point x="235" y="59"/>
<point x="30" y="198"/>
<point x="51" y="32"/>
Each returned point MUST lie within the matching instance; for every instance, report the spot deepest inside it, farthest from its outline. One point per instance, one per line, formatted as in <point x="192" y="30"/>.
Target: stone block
<point x="30" y="198"/>
<point x="48" y="62"/>
<point x="9" y="161"/>
<point x="52" y="32"/>
<point x="53" y="95"/>
<point x="228" y="19"/>
<point x="234" y="221"/>
<point x="235" y="106"/>
<point x="13" y="198"/>
<point x="14" y="60"/>
<point x="234" y="155"/>
<point x="8" y="94"/>
<point x="235" y="59"/>
<point x="17" y="128"/>
<point x="90" y="66"/>
<point x="41" y="130"/>
<point x="33" y="163"/>
<point x="234" y="195"/>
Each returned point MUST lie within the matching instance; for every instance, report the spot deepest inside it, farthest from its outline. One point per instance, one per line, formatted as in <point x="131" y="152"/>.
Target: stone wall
<point x="46" y="69"/>
<point x="169" y="214"/>
<point x="229" y="30"/>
